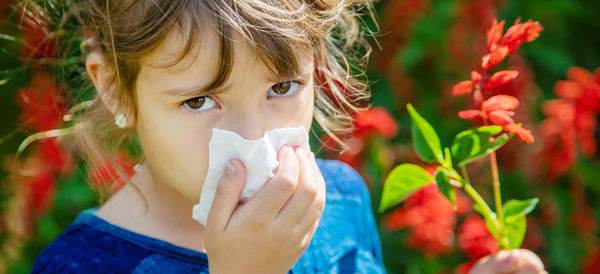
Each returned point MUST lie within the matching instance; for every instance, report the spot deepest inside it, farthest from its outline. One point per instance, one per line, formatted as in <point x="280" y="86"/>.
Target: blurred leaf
<point x="425" y="139"/>
<point x="402" y="181"/>
<point x="474" y="143"/>
<point x="443" y="184"/>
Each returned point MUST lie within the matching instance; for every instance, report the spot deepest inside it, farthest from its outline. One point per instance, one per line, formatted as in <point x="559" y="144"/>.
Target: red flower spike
<point x="494" y="34"/>
<point x="500" y="78"/>
<point x="469" y="114"/>
<point x="462" y="88"/>
<point x="521" y="33"/>
<point x="500" y="102"/>
<point x="494" y="58"/>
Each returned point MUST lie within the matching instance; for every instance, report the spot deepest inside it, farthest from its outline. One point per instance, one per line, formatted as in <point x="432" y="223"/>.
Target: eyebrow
<point x="200" y="90"/>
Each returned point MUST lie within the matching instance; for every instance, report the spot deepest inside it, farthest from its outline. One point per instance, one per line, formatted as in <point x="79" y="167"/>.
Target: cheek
<point x="176" y="150"/>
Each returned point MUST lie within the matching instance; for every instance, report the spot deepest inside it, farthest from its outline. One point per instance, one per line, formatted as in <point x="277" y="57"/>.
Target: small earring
<point x="120" y="120"/>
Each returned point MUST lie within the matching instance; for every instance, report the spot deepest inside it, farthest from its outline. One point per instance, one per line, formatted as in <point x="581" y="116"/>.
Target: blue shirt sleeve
<point x="347" y="240"/>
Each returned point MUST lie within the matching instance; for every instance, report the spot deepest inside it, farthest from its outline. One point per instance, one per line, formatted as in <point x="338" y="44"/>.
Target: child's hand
<point x="520" y="261"/>
<point x="271" y="231"/>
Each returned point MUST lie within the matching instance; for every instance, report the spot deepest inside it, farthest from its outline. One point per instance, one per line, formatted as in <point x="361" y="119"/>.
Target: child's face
<point x="175" y="119"/>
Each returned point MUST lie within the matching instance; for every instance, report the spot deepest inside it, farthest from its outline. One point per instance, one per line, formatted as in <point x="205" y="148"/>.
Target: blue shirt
<point x="346" y="240"/>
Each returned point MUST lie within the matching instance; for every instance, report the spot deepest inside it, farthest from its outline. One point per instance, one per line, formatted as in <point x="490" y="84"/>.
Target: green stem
<point x="496" y="187"/>
<point x="489" y="214"/>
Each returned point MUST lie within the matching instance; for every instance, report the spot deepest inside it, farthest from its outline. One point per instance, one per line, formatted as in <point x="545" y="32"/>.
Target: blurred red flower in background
<point x="431" y="219"/>
<point x="39" y="41"/>
<point x="373" y="121"/>
<point x="42" y="104"/>
<point x="475" y="240"/>
<point x="570" y="119"/>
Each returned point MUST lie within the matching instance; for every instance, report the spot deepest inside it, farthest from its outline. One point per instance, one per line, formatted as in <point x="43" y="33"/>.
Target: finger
<point x="314" y="212"/>
<point x="270" y="198"/>
<point x="227" y="194"/>
<point x="502" y="262"/>
<point x="319" y="175"/>
<point x="305" y="194"/>
<point x="529" y="262"/>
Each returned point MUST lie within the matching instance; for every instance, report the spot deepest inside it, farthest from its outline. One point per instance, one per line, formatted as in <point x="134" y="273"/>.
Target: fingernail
<point x="301" y="151"/>
<point x="231" y="169"/>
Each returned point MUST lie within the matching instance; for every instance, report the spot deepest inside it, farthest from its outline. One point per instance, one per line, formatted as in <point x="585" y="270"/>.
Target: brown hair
<point x="279" y="30"/>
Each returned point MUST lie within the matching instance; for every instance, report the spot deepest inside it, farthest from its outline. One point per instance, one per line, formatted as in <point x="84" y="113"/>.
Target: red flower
<point x="521" y="33"/>
<point x="571" y="119"/>
<point x="475" y="239"/>
<point x="375" y="120"/>
<point x="499" y="111"/>
<point x="42" y="104"/>
<point x="516" y="35"/>
<point x="431" y="219"/>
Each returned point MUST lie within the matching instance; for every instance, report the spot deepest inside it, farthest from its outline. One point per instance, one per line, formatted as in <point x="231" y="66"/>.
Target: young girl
<point x="167" y="72"/>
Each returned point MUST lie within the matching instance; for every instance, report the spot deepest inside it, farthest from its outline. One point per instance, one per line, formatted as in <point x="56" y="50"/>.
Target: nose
<point x="249" y="125"/>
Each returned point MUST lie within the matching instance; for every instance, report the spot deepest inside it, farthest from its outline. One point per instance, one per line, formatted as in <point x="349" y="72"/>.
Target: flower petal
<point x="568" y="89"/>
<point x="500" y="102"/>
<point x="475" y="77"/>
<point x="462" y="88"/>
<point x="494" y="34"/>
<point x="521" y="33"/>
<point x="494" y="58"/>
<point x="500" y="78"/>
<point x="501" y="117"/>
<point x="524" y="134"/>
<point x="469" y="114"/>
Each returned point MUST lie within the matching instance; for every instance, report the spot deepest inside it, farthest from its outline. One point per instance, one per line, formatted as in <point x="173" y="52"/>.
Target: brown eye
<point x="281" y="88"/>
<point x="199" y="103"/>
<point x="284" y="88"/>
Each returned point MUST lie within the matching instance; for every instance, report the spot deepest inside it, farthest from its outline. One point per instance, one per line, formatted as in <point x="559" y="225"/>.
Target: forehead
<point x="211" y="51"/>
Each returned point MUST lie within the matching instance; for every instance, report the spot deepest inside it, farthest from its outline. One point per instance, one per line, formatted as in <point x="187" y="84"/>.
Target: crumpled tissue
<point x="258" y="156"/>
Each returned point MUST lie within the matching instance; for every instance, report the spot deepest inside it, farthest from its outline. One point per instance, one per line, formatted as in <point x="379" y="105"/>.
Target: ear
<point x="101" y="73"/>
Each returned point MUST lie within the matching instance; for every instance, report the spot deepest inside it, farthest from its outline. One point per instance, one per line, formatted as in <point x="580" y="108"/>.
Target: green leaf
<point x="515" y="223"/>
<point x="474" y="143"/>
<point x="425" y="139"/>
<point x="515" y="208"/>
<point x="401" y="182"/>
<point x="443" y="184"/>
<point x="488" y="222"/>
<point x="515" y="231"/>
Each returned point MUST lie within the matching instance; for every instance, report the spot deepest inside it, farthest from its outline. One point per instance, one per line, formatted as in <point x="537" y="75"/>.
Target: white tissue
<point x="259" y="158"/>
